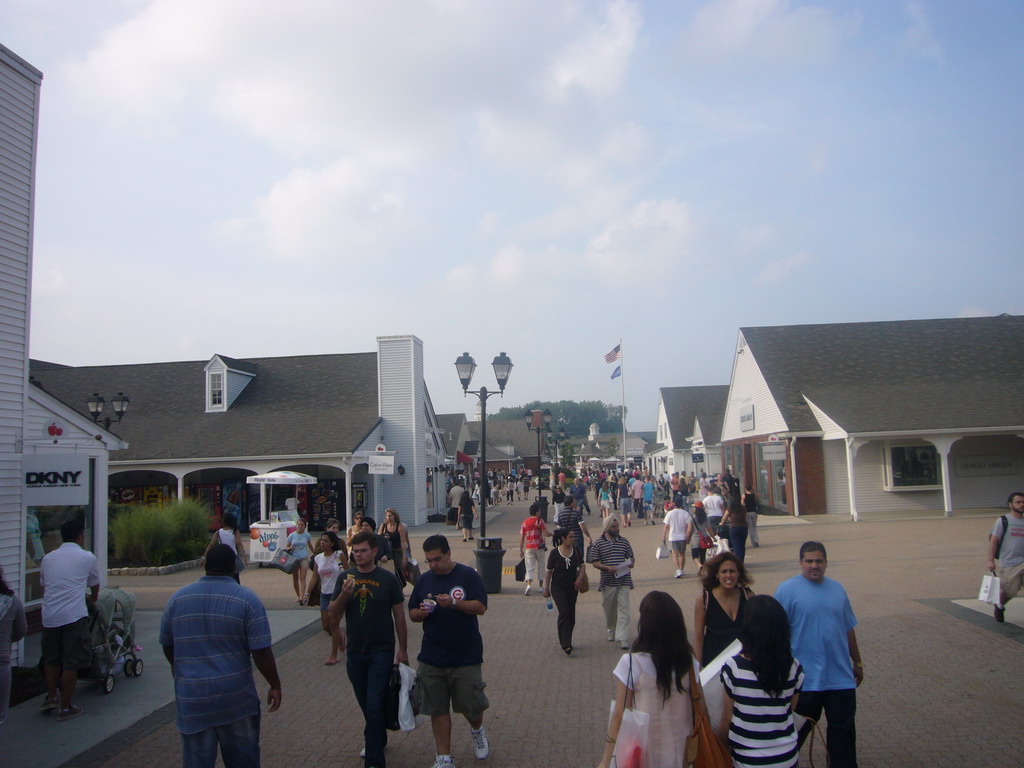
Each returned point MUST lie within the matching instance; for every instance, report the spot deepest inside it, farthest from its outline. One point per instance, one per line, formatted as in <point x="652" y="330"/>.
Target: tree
<point x="574" y="417"/>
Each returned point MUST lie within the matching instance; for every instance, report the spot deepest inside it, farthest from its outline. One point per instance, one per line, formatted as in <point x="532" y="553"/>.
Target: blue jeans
<point x="738" y="540"/>
<point x="840" y="712"/>
<point x="370" y="674"/>
<point x="239" y="745"/>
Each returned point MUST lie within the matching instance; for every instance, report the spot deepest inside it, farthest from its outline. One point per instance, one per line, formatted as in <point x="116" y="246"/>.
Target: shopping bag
<point x="392" y="699"/>
<point x="661" y="553"/>
<point x="284" y="561"/>
<point x="407" y="707"/>
<point x="412" y="571"/>
<point x="521" y="570"/>
<point x="989" y="592"/>
<point x="631" y="743"/>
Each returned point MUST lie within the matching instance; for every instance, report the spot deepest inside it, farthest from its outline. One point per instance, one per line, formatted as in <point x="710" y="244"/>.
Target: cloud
<point x="779" y="270"/>
<point x="598" y="61"/>
<point x="919" y="39"/>
<point x="766" y="31"/>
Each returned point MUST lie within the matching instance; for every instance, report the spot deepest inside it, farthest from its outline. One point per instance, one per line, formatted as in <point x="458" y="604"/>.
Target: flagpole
<point x="622" y="377"/>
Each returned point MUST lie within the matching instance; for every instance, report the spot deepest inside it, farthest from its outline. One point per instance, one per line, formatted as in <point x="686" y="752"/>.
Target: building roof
<point x="509" y="432"/>
<point x="895" y="376"/>
<point x="451" y="424"/>
<point x="293" y="406"/>
<point x="684" y="405"/>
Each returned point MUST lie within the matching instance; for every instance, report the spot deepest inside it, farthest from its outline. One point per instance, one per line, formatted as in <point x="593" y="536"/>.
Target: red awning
<point x="462" y="458"/>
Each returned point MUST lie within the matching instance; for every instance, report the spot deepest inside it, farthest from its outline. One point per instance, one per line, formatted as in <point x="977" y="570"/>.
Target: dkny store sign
<point x="55" y="479"/>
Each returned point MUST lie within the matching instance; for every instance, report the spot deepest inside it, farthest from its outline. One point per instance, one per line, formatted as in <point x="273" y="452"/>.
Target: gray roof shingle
<point x="683" y="405"/>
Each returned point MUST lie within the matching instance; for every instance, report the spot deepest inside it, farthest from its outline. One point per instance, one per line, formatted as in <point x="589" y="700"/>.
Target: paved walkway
<point x="941" y="675"/>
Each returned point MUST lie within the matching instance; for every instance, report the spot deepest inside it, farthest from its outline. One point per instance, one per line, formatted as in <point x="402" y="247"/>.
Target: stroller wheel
<point x="138" y="667"/>
<point x="108" y="683"/>
<point x="129" y="668"/>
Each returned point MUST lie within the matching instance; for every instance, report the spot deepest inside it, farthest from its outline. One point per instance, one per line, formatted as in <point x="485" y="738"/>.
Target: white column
<point x="793" y="497"/>
<point x="347" y="468"/>
<point x="851" y="477"/>
<point x="944" y="445"/>
<point x="181" y="487"/>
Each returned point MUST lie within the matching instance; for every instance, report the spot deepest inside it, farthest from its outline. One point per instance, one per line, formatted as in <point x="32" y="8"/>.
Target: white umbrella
<point x="272" y="478"/>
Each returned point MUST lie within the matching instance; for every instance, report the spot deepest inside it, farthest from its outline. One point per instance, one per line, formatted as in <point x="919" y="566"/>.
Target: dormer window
<point x="216" y="391"/>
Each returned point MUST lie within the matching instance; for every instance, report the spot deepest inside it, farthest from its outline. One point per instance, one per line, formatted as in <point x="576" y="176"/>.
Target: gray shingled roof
<point x="509" y="432"/>
<point x="683" y="405"/>
<point x="896" y="376"/>
<point x="293" y="406"/>
<point x="451" y="423"/>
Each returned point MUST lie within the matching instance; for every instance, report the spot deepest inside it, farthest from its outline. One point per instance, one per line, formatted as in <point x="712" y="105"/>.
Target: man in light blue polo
<point x="209" y="631"/>
<point x="822" y="624"/>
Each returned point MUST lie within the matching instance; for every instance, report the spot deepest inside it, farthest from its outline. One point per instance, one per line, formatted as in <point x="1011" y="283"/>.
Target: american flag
<point x="614" y="355"/>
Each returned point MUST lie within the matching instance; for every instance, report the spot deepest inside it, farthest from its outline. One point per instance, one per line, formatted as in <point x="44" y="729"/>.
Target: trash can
<point x="542" y="502"/>
<point x="489" y="555"/>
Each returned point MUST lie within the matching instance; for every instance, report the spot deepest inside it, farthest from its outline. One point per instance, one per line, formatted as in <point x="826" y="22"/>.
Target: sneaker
<point x="481" y="747"/>
<point x="999" y="612"/>
<point x="624" y="646"/>
<point x="443" y="760"/>
<point x="362" y="752"/>
<point x="67" y="714"/>
<point x="679" y="574"/>
<point x="527" y="590"/>
<point x="48" y="704"/>
<point x="611" y="635"/>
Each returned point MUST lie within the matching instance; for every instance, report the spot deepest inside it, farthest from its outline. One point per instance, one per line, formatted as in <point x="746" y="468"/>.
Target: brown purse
<point x="703" y="747"/>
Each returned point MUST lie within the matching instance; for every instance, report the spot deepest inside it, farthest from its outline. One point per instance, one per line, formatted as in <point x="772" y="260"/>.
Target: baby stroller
<point x="112" y="625"/>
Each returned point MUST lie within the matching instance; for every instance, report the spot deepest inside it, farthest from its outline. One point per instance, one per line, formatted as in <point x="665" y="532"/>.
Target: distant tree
<point x="575" y="417"/>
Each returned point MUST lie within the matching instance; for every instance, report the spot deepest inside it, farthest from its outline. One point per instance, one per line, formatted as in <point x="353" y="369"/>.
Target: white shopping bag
<point x="406" y="713"/>
<point x="662" y="553"/>
<point x="989" y="592"/>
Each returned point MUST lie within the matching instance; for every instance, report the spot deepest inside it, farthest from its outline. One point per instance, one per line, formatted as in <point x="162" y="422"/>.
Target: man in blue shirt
<point x="208" y="631"/>
<point x="824" y="642"/>
<point x="447" y="600"/>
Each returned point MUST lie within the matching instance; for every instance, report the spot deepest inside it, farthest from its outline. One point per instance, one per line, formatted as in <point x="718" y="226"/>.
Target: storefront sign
<point x="747" y="418"/>
<point x="697" y="458"/>
<point x="381" y="465"/>
<point x="55" y="479"/>
<point x="773" y="451"/>
<point x="985" y="466"/>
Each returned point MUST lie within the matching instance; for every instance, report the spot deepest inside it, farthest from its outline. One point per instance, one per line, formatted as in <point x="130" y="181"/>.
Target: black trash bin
<point x="489" y="555"/>
<point x="542" y="502"/>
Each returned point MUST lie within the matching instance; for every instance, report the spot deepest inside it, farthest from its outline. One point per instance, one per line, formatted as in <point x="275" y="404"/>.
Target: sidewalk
<point x="939" y="670"/>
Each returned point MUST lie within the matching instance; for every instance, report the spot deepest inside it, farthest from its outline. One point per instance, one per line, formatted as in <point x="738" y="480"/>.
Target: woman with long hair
<point x="562" y="581"/>
<point x="762" y="685"/>
<point x="718" y="615"/>
<point x="398" y="535"/>
<point x="604" y="499"/>
<point x="356" y="527"/>
<point x="467" y="511"/>
<point x="12" y="628"/>
<point x="228" y="534"/>
<point x="736" y="520"/>
<point x="655" y="678"/>
<point x="299" y="542"/>
<point x="326" y="567"/>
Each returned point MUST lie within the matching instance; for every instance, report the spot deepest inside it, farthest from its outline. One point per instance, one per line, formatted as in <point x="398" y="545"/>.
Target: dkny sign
<point x="55" y="479"/>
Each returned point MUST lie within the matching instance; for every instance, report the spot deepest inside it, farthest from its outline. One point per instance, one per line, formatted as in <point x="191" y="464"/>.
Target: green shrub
<point x="159" y="535"/>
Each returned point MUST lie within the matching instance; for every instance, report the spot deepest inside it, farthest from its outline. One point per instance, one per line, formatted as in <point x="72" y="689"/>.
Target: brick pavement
<point x="939" y="677"/>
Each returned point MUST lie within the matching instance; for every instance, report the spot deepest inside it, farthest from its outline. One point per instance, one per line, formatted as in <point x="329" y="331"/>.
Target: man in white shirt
<point x="677" y="531"/>
<point x="65" y="573"/>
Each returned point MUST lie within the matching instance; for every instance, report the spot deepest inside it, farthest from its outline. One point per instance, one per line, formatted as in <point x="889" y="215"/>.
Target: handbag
<point x="661" y="553"/>
<point x="412" y="571"/>
<point x="521" y="569"/>
<point x="705" y="540"/>
<point x="631" y="743"/>
<point x="314" y="596"/>
<point x="239" y="563"/>
<point x="392" y="700"/>
<point x="703" y="747"/>
<point x="989" y="592"/>
<point x="285" y="561"/>
<point x="583" y="581"/>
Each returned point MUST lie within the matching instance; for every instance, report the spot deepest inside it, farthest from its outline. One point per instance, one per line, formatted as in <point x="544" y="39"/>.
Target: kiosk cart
<point x="271" y="532"/>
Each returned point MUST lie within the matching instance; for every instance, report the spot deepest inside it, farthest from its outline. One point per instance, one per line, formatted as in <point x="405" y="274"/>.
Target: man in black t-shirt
<point x="371" y="600"/>
<point x="447" y="600"/>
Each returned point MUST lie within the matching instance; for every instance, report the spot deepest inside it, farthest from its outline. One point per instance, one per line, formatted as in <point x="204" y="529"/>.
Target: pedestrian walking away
<point x="822" y="623"/>
<point x="676" y="534"/>
<point x="531" y="538"/>
<point x="64" y="575"/>
<point x="612" y="555"/>
<point x="447" y="600"/>
<point x="571" y="518"/>
<point x="1006" y="544"/>
<point x="209" y="631"/>
<point x="751" y="505"/>
<point x="371" y="600"/>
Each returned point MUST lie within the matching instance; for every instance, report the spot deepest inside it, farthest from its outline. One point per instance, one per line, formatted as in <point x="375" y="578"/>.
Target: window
<point x="912" y="467"/>
<point x="216" y="390"/>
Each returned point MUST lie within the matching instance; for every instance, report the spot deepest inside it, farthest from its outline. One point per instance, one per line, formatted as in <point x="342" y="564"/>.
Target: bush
<point x="159" y="535"/>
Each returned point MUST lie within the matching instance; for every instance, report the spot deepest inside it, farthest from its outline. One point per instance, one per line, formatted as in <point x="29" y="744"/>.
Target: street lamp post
<point x="559" y="440"/>
<point x="537" y="421"/>
<point x="465" y="366"/>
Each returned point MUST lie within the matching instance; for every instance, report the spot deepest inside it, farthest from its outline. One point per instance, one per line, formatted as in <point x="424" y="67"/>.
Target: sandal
<point x="330" y="663"/>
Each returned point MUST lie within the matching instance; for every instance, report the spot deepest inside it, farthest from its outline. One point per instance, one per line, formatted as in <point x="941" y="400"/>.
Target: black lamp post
<point x="465" y="365"/>
<point x="558" y="440"/>
<point x="119" y="404"/>
<point x="538" y="421"/>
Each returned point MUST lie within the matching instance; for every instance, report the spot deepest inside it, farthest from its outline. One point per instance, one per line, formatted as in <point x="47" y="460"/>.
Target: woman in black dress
<point x="467" y="511"/>
<point x="718" y="614"/>
<point x="562" y="582"/>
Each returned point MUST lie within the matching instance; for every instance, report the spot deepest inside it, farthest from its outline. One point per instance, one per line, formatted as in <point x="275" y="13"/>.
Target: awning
<point x="462" y="458"/>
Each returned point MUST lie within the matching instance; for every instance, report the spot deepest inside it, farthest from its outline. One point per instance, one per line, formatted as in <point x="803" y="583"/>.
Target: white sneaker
<point x="679" y="574"/>
<point x="443" y="760"/>
<point x="527" y="590"/>
<point x="362" y="752"/>
<point x="481" y="747"/>
<point x="611" y="635"/>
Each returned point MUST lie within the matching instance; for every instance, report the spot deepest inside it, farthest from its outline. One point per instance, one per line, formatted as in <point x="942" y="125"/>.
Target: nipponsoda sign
<point x="55" y="479"/>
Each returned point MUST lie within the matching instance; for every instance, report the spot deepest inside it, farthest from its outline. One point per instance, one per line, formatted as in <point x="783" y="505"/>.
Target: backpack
<point x="1006" y="526"/>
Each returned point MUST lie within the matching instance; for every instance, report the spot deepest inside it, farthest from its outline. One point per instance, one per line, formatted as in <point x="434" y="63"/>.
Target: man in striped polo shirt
<point x="612" y="555"/>
<point x="208" y="631"/>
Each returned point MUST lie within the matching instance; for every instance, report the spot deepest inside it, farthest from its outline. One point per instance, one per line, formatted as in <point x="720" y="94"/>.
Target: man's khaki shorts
<point x="462" y="687"/>
<point x="69" y="646"/>
<point x="1011" y="579"/>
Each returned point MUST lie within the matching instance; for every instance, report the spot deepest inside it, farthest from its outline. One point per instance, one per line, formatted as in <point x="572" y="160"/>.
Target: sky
<point x="538" y="177"/>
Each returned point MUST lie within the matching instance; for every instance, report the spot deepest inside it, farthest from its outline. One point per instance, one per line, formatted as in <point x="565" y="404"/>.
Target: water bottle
<point x="551" y="606"/>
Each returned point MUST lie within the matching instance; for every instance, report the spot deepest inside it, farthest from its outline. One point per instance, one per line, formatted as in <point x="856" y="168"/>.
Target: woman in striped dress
<point x="762" y="685"/>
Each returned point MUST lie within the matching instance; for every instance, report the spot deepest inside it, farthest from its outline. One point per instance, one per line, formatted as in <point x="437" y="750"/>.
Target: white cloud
<point x="919" y="39"/>
<point x="766" y="31"/>
<point x="599" y="61"/>
<point x="779" y="270"/>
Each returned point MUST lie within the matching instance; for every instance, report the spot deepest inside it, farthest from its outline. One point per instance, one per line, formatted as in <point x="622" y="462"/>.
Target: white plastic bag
<point x="662" y="552"/>
<point x="989" y="592"/>
<point x="406" y="713"/>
